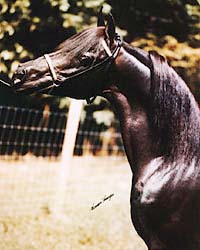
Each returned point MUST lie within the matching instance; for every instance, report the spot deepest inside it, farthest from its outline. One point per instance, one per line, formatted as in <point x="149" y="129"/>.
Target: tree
<point x="31" y="28"/>
<point x="171" y="27"/>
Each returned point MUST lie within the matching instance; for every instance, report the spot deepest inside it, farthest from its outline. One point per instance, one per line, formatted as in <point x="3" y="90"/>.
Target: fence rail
<point x="25" y="133"/>
<point x="29" y="131"/>
<point x="41" y="133"/>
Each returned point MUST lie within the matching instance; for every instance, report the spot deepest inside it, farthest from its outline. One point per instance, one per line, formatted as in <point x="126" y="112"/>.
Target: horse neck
<point x="130" y="99"/>
<point x="161" y="122"/>
<point x="134" y="125"/>
<point x="130" y="102"/>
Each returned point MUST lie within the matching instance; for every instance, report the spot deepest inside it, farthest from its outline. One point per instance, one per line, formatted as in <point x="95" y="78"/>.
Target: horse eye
<point x="86" y="60"/>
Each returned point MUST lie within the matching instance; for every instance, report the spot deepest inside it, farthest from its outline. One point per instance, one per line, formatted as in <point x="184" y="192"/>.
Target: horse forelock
<point x="175" y="115"/>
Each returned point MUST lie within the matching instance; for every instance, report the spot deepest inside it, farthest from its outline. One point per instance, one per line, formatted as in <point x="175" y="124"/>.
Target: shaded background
<point x="39" y="208"/>
<point x="31" y="28"/>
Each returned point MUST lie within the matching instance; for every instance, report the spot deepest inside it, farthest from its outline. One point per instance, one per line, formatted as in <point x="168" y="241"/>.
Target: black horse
<point x="159" y="120"/>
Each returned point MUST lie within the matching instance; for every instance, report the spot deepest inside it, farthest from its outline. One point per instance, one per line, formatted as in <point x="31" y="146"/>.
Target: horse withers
<point x="159" y="118"/>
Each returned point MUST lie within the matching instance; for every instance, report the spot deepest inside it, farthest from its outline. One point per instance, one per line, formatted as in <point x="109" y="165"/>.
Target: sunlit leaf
<point x="93" y="3"/>
<point x="3" y="68"/>
<point x="14" y="65"/>
<point x="32" y="27"/>
<point x="36" y="19"/>
<point x="24" y="54"/>
<point x="10" y="30"/>
<point x="12" y="9"/>
<point x="79" y="3"/>
<point x="106" y="8"/>
<point x="4" y="7"/>
<point x="101" y="115"/>
<point x="7" y="55"/>
<point x="18" y="48"/>
<point x="70" y="20"/>
<point x="64" y="6"/>
<point x="54" y="2"/>
<point x="64" y="102"/>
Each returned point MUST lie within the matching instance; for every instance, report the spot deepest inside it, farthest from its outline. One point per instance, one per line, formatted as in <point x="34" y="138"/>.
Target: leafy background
<point x="31" y="28"/>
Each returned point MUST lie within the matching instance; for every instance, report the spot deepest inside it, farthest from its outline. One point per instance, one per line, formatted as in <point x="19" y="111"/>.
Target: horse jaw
<point x="67" y="62"/>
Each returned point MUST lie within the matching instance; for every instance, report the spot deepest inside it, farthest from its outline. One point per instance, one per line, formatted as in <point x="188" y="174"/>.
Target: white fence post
<point x="67" y="151"/>
<point x="71" y="130"/>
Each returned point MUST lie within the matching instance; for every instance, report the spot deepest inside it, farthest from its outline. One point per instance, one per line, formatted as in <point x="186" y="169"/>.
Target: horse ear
<point x="100" y="20"/>
<point x="110" y="28"/>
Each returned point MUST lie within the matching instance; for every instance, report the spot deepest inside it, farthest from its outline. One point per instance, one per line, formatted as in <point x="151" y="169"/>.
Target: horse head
<point x="77" y="66"/>
<point x="159" y="120"/>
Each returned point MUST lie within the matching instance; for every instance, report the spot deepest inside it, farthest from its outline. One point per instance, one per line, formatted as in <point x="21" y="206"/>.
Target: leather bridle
<point x="51" y="68"/>
<point x="107" y="62"/>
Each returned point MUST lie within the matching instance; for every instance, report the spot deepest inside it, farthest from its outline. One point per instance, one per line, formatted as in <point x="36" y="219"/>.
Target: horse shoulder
<point x="158" y="179"/>
<point x="150" y="181"/>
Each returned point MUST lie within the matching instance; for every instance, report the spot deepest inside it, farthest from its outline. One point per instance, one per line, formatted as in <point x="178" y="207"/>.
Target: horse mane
<point x="175" y="114"/>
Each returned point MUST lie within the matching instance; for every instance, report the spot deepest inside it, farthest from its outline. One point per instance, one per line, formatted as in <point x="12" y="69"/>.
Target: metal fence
<point x="98" y="139"/>
<point x="28" y="186"/>
<point x="41" y="133"/>
<point x="29" y="131"/>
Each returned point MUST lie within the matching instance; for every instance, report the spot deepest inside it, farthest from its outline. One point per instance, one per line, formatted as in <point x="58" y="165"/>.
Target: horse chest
<point x="158" y="185"/>
<point x="166" y="201"/>
<point x="150" y="182"/>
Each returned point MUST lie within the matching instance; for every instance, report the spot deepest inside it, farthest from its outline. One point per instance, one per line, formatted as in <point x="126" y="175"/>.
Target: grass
<point x="31" y="215"/>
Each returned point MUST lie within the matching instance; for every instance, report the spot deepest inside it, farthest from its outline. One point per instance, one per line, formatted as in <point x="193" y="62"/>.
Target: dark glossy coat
<point x="160" y="127"/>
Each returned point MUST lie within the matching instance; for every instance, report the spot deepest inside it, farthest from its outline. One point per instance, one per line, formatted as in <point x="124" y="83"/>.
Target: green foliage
<point x="179" y="18"/>
<point x="171" y="27"/>
<point x="184" y="58"/>
<point x="30" y="28"/>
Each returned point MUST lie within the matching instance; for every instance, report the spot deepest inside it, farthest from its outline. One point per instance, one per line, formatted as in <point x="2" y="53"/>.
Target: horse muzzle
<point x="19" y="79"/>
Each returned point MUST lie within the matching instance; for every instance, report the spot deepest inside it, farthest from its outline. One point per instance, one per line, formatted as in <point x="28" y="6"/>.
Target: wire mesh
<point x="41" y="133"/>
<point x="29" y="186"/>
<point x="29" y="131"/>
<point x="99" y="139"/>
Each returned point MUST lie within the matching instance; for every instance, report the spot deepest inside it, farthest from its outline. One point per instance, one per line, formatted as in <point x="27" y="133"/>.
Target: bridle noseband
<point x="107" y="62"/>
<point x="51" y="68"/>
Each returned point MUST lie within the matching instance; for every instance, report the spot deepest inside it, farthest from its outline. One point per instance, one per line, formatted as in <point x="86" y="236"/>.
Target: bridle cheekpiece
<point x="107" y="61"/>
